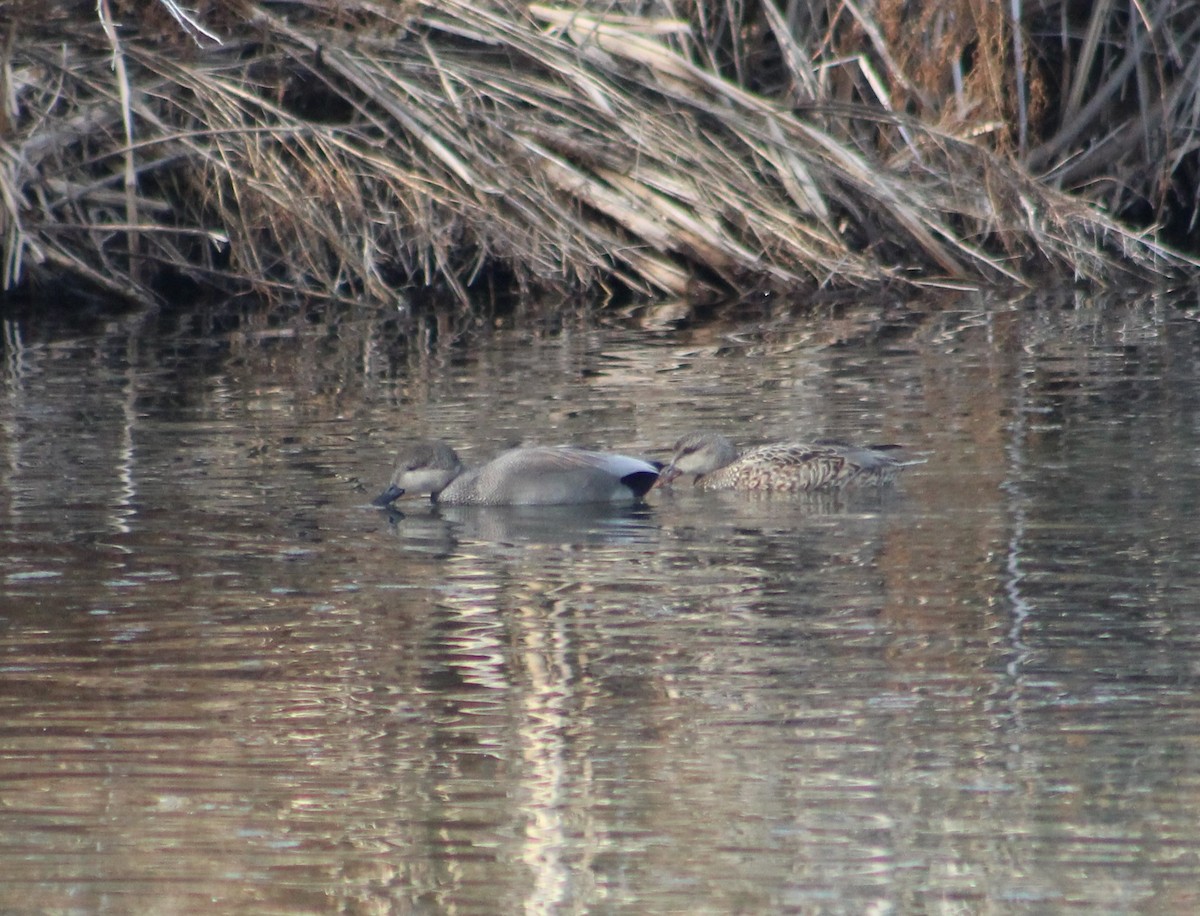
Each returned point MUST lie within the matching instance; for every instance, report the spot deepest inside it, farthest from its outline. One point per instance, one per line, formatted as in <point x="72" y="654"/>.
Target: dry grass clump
<point x="354" y="149"/>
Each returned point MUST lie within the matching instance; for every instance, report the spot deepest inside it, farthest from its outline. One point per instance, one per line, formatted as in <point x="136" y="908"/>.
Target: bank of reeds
<point x="353" y="149"/>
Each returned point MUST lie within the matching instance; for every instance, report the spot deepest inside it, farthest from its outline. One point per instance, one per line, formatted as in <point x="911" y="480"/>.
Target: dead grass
<point x="351" y="150"/>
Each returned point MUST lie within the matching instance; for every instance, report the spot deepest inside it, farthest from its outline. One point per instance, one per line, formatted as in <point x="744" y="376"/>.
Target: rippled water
<point x="229" y="684"/>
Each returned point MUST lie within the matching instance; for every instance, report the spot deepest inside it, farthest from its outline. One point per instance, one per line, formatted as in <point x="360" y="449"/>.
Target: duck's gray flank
<point x="540" y="475"/>
<point x="716" y="464"/>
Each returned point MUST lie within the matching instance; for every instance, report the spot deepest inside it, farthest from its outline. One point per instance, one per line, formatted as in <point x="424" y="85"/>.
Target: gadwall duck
<point x="781" y="466"/>
<point x="538" y="476"/>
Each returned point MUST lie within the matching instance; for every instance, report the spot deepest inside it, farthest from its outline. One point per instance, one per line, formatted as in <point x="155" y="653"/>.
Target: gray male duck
<point x="788" y="467"/>
<point x="535" y="476"/>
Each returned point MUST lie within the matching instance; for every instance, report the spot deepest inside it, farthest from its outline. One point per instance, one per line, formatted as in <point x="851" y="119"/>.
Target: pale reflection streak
<point x="15" y="373"/>
<point x="123" y="507"/>
<point x="544" y="724"/>
<point x="1017" y="510"/>
<point x="476" y="649"/>
<point x="501" y="592"/>
<point x="532" y="668"/>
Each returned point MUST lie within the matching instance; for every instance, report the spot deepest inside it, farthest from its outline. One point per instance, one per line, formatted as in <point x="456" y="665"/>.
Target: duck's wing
<point x="564" y="459"/>
<point x="794" y="454"/>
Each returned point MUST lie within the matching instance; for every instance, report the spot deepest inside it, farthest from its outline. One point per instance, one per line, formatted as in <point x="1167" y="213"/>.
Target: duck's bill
<point x="665" y="476"/>
<point x="388" y="496"/>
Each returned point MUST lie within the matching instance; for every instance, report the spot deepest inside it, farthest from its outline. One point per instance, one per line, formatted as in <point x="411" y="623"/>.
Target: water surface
<point x="228" y="683"/>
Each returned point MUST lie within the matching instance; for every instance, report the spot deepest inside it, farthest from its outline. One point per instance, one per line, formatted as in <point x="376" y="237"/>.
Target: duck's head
<point x="422" y="469"/>
<point x="698" y="454"/>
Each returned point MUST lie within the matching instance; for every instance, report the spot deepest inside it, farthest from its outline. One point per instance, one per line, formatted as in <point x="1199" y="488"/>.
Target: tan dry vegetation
<point x="355" y="149"/>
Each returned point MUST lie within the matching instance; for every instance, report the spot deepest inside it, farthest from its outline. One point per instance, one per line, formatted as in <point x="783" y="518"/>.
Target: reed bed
<point x="350" y="150"/>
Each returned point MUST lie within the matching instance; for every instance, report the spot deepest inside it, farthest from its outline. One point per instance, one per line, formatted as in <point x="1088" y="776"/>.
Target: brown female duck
<point x="788" y="467"/>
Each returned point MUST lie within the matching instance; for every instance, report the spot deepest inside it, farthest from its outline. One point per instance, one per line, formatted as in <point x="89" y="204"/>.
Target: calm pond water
<point x="229" y="685"/>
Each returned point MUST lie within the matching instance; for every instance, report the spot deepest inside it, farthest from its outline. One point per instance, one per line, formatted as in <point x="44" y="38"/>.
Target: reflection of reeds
<point x="352" y="149"/>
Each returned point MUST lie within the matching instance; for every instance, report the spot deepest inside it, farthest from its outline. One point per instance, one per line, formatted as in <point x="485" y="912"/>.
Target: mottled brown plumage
<point x="787" y="467"/>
